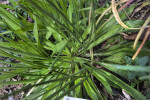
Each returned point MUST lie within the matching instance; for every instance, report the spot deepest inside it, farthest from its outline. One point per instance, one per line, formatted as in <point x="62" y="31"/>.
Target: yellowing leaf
<point x="116" y="15"/>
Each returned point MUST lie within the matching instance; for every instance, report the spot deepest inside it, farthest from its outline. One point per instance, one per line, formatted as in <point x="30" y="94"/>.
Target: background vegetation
<point x="72" y="47"/>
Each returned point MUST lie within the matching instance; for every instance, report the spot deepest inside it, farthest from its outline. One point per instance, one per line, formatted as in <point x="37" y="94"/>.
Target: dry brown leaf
<point x="142" y="44"/>
<point x="116" y="15"/>
<point x="126" y="4"/>
<point x="140" y="32"/>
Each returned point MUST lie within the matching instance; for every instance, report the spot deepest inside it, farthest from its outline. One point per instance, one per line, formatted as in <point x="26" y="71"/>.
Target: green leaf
<point x="116" y="58"/>
<point x="7" y="6"/>
<point x="8" y="76"/>
<point x="128" y="60"/>
<point x="142" y="61"/>
<point x="115" y="29"/>
<point x="148" y="94"/>
<point x="72" y="88"/>
<point x="35" y="30"/>
<point x="130" y="90"/>
<point x="82" y="9"/>
<point x="10" y="19"/>
<point x="90" y="91"/>
<point x="18" y="82"/>
<point x="21" y="52"/>
<point x="78" y="90"/>
<point x="126" y="67"/>
<point x="103" y="81"/>
<point x="145" y="77"/>
<point x="70" y="12"/>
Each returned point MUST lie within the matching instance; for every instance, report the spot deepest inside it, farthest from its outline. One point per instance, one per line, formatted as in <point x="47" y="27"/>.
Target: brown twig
<point x="126" y="4"/>
<point x="142" y="44"/>
<point x="124" y="9"/>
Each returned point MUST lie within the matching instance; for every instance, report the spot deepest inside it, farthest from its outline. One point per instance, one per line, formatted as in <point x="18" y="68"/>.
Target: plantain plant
<point x="55" y="52"/>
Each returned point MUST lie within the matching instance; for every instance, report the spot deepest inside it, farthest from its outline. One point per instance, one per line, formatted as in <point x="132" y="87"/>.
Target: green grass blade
<point x="145" y="77"/>
<point x="66" y="20"/>
<point x="130" y="90"/>
<point x="29" y="87"/>
<point x="18" y="82"/>
<point x="14" y="67"/>
<point x="10" y="19"/>
<point x="103" y="81"/>
<point x="78" y="90"/>
<point x="35" y="30"/>
<point x="50" y="16"/>
<point x="72" y="88"/>
<point x="21" y="52"/>
<point x="110" y="33"/>
<point x="126" y="67"/>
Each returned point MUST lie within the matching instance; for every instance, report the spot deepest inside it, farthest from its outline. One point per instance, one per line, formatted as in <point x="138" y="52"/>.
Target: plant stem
<point x="143" y="42"/>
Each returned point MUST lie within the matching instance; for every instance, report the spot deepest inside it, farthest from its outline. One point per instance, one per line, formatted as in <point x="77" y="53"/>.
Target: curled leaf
<point x="116" y="15"/>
